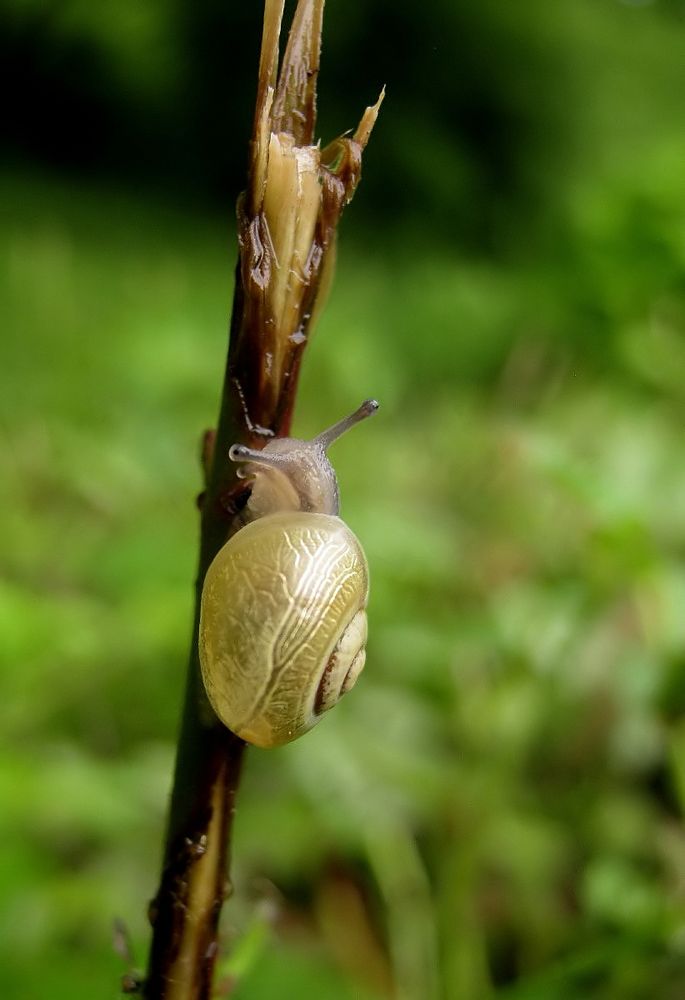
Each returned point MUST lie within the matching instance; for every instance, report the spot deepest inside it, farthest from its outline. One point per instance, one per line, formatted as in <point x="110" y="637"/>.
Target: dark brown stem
<point x="185" y="912"/>
<point x="270" y="322"/>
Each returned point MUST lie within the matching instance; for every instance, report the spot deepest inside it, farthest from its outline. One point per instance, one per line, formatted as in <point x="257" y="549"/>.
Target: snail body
<point x="283" y="621"/>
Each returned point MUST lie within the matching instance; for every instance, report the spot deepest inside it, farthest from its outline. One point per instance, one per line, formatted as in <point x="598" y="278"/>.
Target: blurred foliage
<point x="498" y="809"/>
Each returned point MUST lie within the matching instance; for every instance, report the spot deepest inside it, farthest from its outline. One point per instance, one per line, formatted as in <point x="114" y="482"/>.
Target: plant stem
<point x="287" y="222"/>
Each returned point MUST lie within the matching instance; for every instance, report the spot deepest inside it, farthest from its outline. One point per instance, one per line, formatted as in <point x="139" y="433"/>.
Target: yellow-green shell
<point x="283" y="624"/>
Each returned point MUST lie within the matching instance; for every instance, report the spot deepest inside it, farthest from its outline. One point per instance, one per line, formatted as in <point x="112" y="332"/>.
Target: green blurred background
<point x="497" y="810"/>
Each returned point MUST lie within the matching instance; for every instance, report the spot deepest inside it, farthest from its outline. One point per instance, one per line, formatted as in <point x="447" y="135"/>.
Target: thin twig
<point x="287" y="221"/>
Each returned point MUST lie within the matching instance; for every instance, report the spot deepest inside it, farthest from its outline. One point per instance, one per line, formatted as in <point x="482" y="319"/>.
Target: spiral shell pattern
<point x="283" y="624"/>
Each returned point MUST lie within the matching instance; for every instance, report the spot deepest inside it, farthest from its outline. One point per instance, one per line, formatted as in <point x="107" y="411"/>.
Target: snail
<point x="283" y="612"/>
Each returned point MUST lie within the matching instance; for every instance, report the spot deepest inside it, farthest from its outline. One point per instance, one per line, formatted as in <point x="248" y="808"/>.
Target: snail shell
<point x="283" y="626"/>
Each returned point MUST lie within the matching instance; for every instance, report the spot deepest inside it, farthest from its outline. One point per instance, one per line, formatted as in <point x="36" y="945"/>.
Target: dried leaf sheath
<point x="288" y="217"/>
<point x="287" y="222"/>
